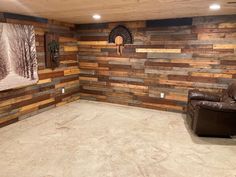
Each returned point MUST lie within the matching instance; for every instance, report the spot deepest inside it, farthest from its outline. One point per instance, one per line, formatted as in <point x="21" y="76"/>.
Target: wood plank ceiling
<point x="81" y="11"/>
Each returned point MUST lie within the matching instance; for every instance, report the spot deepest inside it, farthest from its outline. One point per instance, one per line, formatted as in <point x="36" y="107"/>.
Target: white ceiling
<point x="81" y="11"/>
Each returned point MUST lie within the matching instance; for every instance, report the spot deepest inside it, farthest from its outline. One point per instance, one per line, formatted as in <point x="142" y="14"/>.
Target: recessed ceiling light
<point x="214" y="7"/>
<point x="96" y="17"/>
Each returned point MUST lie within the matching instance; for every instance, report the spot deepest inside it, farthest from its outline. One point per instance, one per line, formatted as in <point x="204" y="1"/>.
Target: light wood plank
<point x="154" y="50"/>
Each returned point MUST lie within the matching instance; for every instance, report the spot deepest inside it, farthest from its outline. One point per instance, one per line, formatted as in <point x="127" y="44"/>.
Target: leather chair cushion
<point x="199" y="95"/>
<point x="227" y="99"/>
<point x="193" y="103"/>
<point x="232" y="91"/>
<point x="229" y="95"/>
<point x="217" y="106"/>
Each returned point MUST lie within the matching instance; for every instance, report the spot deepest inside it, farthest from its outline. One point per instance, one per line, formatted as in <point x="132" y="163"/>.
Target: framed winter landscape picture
<point x="18" y="63"/>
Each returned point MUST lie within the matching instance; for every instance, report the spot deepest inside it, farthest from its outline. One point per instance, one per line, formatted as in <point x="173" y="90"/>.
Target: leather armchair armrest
<point x="198" y="95"/>
<point x="217" y="106"/>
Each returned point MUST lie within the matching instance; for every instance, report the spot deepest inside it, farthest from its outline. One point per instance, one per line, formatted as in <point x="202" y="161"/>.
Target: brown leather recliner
<point x="212" y="114"/>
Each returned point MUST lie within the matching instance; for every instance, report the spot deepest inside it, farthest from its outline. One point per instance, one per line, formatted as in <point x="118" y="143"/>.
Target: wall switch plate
<point x="162" y="95"/>
<point x="63" y="90"/>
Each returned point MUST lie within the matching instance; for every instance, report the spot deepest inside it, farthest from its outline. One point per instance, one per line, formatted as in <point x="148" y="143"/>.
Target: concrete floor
<point x="92" y="139"/>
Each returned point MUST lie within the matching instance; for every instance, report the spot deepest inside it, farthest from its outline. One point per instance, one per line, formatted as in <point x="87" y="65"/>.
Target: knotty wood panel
<point x="17" y="104"/>
<point x="170" y="59"/>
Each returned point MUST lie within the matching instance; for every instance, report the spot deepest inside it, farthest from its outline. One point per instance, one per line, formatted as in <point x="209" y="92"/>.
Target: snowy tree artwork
<point x="18" y="63"/>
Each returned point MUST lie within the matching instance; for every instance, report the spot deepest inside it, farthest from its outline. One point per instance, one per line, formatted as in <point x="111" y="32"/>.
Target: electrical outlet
<point x="162" y="95"/>
<point x="63" y="90"/>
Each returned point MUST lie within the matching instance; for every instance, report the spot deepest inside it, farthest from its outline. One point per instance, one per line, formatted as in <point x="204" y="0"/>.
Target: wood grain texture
<point x="169" y="59"/>
<point x="16" y="104"/>
<point x="146" y="50"/>
<point x="81" y="11"/>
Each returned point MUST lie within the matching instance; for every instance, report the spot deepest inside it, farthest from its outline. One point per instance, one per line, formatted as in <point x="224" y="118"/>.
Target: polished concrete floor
<point x="92" y="139"/>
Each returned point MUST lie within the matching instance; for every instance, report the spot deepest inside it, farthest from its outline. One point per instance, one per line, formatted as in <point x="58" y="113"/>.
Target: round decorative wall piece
<point x="120" y="35"/>
<point x="123" y="32"/>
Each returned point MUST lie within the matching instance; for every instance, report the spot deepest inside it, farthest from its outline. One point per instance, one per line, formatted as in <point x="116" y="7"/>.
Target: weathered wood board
<point x="170" y="59"/>
<point x="167" y="59"/>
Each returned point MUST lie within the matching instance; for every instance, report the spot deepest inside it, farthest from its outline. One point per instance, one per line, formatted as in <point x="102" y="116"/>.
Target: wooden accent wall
<point x="198" y="54"/>
<point x="17" y="104"/>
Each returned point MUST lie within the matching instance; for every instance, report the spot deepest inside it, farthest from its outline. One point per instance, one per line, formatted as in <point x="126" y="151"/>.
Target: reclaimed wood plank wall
<point x="167" y="56"/>
<point x="17" y="104"/>
<point x="200" y="53"/>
